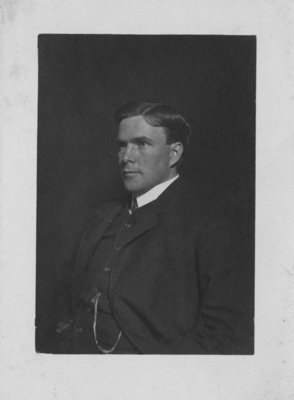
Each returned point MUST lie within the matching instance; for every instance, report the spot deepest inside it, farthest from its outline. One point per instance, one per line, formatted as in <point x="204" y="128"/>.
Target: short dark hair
<point x="158" y="115"/>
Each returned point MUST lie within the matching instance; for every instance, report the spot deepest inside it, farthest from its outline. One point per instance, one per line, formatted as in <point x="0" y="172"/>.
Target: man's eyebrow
<point x="137" y="140"/>
<point x="141" y="139"/>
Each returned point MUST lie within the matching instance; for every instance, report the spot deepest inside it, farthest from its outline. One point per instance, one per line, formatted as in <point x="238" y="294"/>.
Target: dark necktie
<point x="134" y="204"/>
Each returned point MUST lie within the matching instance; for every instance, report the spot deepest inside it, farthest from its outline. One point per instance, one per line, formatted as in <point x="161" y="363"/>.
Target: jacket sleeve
<point x="225" y="320"/>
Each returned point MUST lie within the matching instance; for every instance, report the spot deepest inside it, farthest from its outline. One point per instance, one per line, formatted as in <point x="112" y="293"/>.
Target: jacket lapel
<point x="141" y="221"/>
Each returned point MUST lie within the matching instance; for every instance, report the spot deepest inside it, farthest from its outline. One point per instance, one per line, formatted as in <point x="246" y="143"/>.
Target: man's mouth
<point x="129" y="173"/>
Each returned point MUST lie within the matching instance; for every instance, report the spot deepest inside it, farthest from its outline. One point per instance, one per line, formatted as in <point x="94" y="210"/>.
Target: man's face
<point x="144" y="156"/>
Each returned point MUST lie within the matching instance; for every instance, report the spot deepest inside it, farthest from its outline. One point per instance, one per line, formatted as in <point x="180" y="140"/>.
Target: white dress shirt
<point x="155" y="192"/>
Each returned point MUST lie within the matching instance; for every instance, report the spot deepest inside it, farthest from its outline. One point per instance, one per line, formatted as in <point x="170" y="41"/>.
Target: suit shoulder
<point x="103" y="209"/>
<point x="193" y="200"/>
<point x="204" y="207"/>
<point x="108" y="206"/>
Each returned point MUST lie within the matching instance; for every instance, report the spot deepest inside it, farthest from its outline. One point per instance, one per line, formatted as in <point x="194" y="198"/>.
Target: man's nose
<point x="128" y="153"/>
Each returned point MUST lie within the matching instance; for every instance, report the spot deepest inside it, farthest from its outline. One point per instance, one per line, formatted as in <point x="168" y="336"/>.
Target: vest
<point x="97" y="282"/>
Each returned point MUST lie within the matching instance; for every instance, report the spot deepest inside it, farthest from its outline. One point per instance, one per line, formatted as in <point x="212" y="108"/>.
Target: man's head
<point x="151" y="141"/>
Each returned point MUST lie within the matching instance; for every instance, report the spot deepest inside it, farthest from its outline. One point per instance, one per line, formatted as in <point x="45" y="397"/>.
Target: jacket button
<point x="127" y="225"/>
<point x="107" y="269"/>
<point x="118" y="248"/>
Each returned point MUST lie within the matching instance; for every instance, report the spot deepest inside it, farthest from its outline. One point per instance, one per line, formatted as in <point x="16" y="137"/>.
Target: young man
<point x="164" y="273"/>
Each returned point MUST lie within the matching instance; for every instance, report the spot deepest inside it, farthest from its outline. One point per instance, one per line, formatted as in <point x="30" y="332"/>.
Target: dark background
<point x="82" y="80"/>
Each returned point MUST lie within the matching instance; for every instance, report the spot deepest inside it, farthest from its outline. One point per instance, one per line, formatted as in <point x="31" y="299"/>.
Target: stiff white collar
<point x="155" y="192"/>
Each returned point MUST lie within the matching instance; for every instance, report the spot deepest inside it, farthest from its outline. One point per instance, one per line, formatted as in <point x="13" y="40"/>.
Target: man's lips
<point x="130" y="174"/>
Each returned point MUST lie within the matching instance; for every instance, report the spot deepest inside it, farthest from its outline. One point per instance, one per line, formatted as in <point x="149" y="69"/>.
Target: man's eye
<point x="143" y="144"/>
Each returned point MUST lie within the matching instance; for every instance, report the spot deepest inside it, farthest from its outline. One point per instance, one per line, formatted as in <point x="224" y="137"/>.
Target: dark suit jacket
<point x="184" y="280"/>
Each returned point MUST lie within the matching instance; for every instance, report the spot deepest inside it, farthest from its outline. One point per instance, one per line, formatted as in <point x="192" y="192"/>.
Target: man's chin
<point x="134" y="187"/>
<point x="131" y="187"/>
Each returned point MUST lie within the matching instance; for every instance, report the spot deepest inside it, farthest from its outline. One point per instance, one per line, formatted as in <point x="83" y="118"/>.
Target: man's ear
<point x="176" y="151"/>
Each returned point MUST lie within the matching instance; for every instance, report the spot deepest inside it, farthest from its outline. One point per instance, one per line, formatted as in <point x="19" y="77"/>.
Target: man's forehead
<point x="138" y="127"/>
